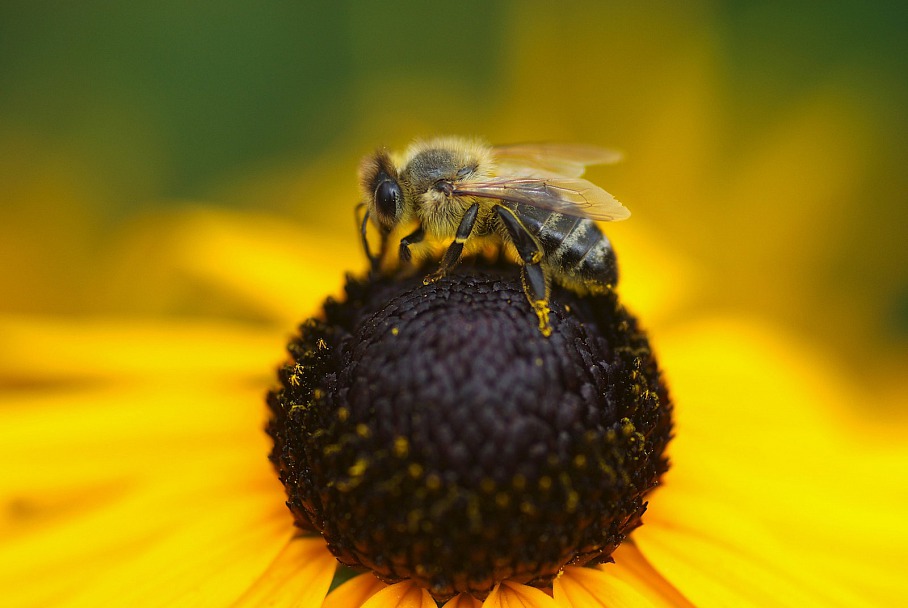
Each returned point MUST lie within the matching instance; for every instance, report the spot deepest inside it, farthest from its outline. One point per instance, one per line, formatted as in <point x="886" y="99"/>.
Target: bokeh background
<point x="765" y="148"/>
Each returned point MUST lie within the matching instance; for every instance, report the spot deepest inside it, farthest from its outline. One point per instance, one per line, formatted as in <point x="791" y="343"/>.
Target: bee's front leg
<point x="413" y="238"/>
<point x="374" y="260"/>
<point x="452" y="255"/>
<point x="534" y="279"/>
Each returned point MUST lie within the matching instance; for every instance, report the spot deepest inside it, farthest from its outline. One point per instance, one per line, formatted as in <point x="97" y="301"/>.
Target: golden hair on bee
<point x="470" y="151"/>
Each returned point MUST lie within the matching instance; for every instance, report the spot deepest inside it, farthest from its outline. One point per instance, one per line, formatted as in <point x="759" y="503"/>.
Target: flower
<point x="136" y="472"/>
<point x="433" y="433"/>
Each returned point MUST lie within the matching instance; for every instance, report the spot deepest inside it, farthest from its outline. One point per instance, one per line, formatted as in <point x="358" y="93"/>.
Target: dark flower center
<point x="432" y="433"/>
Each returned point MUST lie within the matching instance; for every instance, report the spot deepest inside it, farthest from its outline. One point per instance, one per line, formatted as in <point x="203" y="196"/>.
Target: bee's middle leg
<point x="533" y="276"/>
<point x="452" y="255"/>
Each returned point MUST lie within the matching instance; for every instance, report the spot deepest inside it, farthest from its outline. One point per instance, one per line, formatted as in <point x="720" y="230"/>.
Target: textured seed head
<point x="430" y="432"/>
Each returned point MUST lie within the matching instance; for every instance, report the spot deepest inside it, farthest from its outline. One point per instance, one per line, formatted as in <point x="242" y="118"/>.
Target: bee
<point x="527" y="196"/>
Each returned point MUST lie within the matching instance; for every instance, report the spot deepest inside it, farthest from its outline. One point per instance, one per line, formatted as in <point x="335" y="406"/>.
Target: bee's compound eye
<point x="387" y="198"/>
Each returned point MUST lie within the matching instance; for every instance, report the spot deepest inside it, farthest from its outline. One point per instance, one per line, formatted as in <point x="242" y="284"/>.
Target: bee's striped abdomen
<point x="573" y="246"/>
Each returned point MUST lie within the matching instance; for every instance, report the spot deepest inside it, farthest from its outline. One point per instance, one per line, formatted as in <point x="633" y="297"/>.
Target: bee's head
<point x="380" y="182"/>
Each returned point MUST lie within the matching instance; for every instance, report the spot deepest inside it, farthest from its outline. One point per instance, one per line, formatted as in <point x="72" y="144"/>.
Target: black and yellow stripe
<point x="573" y="246"/>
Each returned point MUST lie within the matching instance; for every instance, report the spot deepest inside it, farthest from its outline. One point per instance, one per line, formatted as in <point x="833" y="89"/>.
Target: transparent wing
<point x="569" y="196"/>
<point x="551" y="160"/>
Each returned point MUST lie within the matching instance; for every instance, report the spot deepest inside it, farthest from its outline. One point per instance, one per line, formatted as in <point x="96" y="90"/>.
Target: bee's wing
<point x="551" y="160"/>
<point x="576" y="197"/>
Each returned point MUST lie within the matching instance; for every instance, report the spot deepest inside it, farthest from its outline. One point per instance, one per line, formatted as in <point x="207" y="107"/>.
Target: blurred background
<point x="765" y="147"/>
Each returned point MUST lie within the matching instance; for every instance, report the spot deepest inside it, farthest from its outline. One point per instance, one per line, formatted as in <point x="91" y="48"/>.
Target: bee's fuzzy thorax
<point x="472" y="149"/>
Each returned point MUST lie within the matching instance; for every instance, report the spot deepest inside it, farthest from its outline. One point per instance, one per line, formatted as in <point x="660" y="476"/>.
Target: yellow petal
<point x="764" y="425"/>
<point x="266" y="263"/>
<point x="716" y="554"/>
<point x="162" y="542"/>
<point x="594" y="588"/>
<point x="37" y="351"/>
<point x="401" y="595"/>
<point x="464" y="600"/>
<point x="354" y="592"/>
<point x="657" y="282"/>
<point x="514" y="595"/>
<point x="632" y="567"/>
<point x="299" y="576"/>
<point x="111" y="437"/>
<point x="165" y="484"/>
<point x="210" y="553"/>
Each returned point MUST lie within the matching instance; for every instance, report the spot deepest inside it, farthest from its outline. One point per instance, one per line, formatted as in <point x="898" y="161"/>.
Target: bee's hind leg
<point x="452" y="255"/>
<point x="533" y="276"/>
<point x="535" y="286"/>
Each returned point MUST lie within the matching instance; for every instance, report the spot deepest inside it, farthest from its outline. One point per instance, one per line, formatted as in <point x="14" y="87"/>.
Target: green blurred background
<point x="765" y="142"/>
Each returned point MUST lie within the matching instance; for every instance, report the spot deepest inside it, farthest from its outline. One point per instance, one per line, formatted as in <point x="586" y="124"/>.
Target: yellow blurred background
<point x="765" y="146"/>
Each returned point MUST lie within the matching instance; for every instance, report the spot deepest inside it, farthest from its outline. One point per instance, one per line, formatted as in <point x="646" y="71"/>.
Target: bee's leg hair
<point x="452" y="255"/>
<point x="533" y="276"/>
<point x="414" y="237"/>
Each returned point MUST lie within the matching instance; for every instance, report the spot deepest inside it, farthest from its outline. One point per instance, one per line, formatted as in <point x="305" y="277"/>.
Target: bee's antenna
<point x="363" y="225"/>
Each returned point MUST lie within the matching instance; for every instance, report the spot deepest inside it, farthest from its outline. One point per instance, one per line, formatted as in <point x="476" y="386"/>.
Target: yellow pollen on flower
<point x="358" y="468"/>
<point x="401" y="447"/>
<point x="519" y="481"/>
<point x="415" y="519"/>
<point x="474" y="513"/>
<point x="627" y="427"/>
<point x="433" y="482"/>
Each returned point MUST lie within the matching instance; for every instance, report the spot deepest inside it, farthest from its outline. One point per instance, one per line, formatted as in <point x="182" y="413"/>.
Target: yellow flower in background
<point x="136" y="469"/>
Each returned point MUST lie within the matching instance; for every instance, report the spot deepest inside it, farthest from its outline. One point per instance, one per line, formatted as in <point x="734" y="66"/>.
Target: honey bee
<point x="527" y="196"/>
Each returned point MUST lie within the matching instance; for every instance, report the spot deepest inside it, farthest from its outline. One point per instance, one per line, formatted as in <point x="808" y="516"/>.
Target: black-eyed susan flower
<point x="136" y="472"/>
<point x="432" y="434"/>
